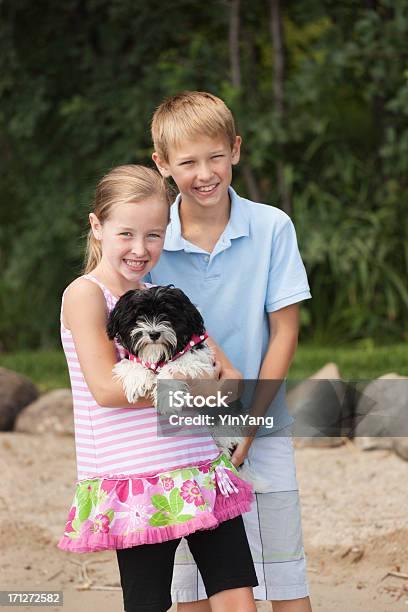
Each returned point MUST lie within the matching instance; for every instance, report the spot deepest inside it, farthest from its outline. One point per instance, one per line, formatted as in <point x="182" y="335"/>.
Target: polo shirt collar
<point x="237" y="226"/>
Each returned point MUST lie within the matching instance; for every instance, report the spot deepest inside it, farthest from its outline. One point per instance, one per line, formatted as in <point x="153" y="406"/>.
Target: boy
<point x="238" y="261"/>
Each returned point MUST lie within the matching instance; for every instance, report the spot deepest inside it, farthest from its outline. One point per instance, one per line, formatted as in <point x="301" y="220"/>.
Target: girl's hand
<point x="215" y="375"/>
<point x="230" y="377"/>
<point x="241" y="451"/>
<point x="230" y="373"/>
<point x="231" y="383"/>
<point x="202" y="386"/>
<point x="228" y="381"/>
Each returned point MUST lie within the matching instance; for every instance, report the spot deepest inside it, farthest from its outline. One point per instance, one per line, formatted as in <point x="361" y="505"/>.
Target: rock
<point x="330" y="371"/>
<point x="367" y="443"/>
<point x="322" y="409"/>
<point x="16" y="392"/>
<point x="382" y="413"/>
<point x="318" y="441"/>
<point x="390" y="376"/>
<point x="51" y="413"/>
<point x="400" y="446"/>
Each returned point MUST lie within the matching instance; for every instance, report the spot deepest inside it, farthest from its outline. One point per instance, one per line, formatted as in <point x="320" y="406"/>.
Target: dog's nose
<point x="154" y="335"/>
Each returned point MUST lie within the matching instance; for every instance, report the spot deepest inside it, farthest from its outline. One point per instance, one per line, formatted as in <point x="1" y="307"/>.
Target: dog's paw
<point x="136" y="380"/>
<point x="259" y="485"/>
<point x="170" y="390"/>
<point x="165" y="399"/>
<point x="227" y="443"/>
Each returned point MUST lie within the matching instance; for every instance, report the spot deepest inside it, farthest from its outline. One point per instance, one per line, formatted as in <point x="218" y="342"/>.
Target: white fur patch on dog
<point x="137" y="381"/>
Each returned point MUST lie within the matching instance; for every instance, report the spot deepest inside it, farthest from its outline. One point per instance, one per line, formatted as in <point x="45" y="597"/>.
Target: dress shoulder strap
<point x="109" y="297"/>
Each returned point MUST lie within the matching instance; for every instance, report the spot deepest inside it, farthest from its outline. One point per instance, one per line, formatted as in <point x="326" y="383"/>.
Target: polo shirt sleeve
<point x="287" y="281"/>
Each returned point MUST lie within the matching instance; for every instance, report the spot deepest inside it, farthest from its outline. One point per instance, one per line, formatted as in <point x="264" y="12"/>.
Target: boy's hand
<point x="241" y="451"/>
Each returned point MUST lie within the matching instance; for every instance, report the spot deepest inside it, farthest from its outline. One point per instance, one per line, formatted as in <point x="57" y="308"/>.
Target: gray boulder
<point x="51" y="413"/>
<point x="321" y="408"/>
<point x="382" y="413"/>
<point x="16" y="392"/>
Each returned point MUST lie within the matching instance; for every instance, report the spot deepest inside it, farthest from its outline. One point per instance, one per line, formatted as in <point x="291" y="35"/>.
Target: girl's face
<point x="132" y="238"/>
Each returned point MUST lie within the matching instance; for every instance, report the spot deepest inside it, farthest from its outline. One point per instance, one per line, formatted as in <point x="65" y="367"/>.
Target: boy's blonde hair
<point x="187" y="115"/>
<point x="124" y="184"/>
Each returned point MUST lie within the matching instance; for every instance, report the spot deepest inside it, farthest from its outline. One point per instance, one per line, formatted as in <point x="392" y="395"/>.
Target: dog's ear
<point x="190" y="311"/>
<point x="113" y="327"/>
<point x="117" y="316"/>
<point x="177" y="294"/>
<point x="197" y="320"/>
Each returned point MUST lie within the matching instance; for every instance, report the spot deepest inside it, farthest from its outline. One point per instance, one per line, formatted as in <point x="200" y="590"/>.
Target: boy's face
<point x="202" y="169"/>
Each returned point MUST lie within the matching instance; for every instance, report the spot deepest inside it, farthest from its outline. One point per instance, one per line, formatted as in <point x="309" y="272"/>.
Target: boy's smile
<point x="202" y="169"/>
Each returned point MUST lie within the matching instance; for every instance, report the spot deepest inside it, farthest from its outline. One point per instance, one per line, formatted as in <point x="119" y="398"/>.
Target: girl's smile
<point x="135" y="264"/>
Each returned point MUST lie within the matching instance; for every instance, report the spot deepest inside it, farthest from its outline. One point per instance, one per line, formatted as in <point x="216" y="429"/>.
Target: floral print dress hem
<point x="115" y="512"/>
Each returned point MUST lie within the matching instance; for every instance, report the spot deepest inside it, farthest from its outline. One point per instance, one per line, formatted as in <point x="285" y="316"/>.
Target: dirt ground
<point x="354" y="506"/>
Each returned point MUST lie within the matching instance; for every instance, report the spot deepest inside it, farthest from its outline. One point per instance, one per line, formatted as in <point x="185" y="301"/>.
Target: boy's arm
<point x="284" y="330"/>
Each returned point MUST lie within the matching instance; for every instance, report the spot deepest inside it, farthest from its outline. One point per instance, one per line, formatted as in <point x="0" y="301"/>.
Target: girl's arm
<point x="84" y="314"/>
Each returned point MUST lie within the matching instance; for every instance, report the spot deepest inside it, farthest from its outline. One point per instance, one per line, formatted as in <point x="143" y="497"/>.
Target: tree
<point x="79" y="82"/>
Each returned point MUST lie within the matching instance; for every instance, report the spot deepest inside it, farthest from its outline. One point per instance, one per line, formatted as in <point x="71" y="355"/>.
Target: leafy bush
<point x="78" y="85"/>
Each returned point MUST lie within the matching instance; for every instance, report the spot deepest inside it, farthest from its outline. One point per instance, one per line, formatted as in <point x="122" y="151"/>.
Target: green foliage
<point x="79" y="82"/>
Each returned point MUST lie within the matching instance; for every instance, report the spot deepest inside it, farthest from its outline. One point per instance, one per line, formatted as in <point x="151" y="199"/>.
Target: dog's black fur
<point x="160" y="303"/>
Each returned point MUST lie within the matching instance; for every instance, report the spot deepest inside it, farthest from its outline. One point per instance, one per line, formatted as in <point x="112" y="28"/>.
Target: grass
<point x="362" y="360"/>
<point x="46" y="368"/>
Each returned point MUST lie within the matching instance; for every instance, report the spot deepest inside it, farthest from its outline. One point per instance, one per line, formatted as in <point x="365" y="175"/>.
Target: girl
<point x="138" y="493"/>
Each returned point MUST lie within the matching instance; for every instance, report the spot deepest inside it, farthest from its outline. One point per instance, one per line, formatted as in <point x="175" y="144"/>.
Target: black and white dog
<point x="163" y="334"/>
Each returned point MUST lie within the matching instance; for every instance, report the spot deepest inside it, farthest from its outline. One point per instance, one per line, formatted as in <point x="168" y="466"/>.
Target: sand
<point x="354" y="507"/>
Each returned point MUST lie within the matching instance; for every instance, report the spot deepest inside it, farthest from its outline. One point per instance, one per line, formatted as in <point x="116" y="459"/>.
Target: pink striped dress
<point x="135" y="486"/>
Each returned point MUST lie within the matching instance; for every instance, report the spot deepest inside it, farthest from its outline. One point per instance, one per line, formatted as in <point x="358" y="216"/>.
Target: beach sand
<point x="354" y="508"/>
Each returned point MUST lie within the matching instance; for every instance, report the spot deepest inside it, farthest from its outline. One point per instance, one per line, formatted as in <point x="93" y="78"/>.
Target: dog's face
<point x="154" y="324"/>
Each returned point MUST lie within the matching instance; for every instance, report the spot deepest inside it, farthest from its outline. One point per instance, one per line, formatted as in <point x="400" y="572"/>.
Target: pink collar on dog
<point x="157" y="366"/>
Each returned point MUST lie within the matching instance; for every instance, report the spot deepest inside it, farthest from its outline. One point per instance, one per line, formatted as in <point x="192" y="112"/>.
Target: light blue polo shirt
<point x="254" y="268"/>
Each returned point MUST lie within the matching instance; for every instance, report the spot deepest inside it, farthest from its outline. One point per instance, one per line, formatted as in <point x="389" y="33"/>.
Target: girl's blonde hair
<point x="124" y="184"/>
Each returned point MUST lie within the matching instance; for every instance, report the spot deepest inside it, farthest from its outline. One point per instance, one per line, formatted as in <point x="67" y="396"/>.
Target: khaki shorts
<point x="274" y="532"/>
